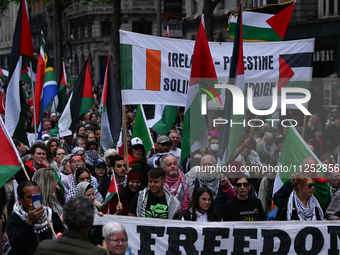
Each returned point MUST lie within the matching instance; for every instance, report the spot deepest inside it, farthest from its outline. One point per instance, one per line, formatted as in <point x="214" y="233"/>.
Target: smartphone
<point x="36" y="200"/>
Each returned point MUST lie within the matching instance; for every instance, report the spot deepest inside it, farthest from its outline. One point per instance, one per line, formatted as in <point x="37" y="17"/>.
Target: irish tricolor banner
<point x="294" y="150"/>
<point x="156" y="70"/>
<point x="266" y="23"/>
<point x="10" y="162"/>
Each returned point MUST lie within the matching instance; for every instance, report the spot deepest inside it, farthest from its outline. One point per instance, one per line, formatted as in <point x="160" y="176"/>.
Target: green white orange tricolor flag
<point x="266" y="23"/>
<point x="10" y="161"/>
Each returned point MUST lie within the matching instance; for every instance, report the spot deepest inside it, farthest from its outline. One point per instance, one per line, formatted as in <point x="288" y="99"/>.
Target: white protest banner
<point x="156" y="70"/>
<point x="156" y="236"/>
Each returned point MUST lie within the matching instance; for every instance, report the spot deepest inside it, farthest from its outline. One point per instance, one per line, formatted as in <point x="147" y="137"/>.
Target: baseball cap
<point x="136" y="141"/>
<point x="163" y="139"/>
<point x="97" y="162"/>
<point x="93" y="122"/>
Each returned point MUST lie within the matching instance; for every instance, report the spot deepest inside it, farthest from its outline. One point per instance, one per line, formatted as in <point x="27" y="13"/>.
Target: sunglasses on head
<point x="138" y="148"/>
<point x="310" y="185"/>
<point x="240" y="184"/>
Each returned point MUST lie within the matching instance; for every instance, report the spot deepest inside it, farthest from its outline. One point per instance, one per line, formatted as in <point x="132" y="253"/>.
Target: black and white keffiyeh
<point x="42" y="224"/>
<point x="304" y="212"/>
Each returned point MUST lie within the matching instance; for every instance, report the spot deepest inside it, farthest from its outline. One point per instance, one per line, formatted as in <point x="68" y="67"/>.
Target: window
<point x="106" y="28"/>
<point x="328" y="8"/>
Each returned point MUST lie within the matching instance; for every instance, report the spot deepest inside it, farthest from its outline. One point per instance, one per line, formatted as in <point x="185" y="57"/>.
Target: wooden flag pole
<point x="125" y="141"/>
<point x="34" y="115"/>
<point x="304" y="126"/>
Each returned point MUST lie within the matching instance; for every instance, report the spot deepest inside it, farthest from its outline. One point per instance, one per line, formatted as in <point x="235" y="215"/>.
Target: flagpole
<point x="125" y="141"/>
<point x="101" y="127"/>
<point x="34" y="114"/>
<point x="304" y="126"/>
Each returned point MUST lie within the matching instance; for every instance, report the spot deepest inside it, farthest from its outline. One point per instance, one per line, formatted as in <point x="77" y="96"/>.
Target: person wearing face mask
<point x="212" y="149"/>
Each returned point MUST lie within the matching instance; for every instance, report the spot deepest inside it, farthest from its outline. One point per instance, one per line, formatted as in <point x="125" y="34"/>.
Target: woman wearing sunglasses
<point x="202" y="207"/>
<point x="243" y="207"/>
<point x="137" y="158"/>
<point x="301" y="204"/>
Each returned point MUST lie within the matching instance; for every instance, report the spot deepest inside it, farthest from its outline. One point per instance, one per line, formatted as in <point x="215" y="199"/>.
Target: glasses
<point x="240" y="184"/>
<point x="207" y="164"/>
<point x="206" y="199"/>
<point x="117" y="240"/>
<point x="121" y="165"/>
<point x="311" y="185"/>
<point x="77" y="161"/>
<point x="100" y="167"/>
<point x="138" y="148"/>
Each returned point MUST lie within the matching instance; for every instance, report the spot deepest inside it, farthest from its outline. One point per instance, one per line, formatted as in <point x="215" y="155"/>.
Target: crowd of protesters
<point x="75" y="176"/>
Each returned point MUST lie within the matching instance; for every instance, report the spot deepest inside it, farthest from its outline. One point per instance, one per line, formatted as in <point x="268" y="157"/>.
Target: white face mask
<point x="214" y="147"/>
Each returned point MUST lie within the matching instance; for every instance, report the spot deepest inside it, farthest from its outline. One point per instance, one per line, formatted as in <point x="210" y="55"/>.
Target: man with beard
<point x="163" y="146"/>
<point x="175" y="180"/>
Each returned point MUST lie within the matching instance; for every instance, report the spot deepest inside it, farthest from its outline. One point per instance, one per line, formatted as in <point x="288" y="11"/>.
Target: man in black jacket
<point x="78" y="216"/>
<point x="26" y="227"/>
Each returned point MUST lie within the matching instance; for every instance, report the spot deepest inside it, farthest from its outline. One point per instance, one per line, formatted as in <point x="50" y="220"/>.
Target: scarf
<point x="31" y="167"/>
<point x="90" y="157"/>
<point x="134" y="162"/>
<point x="205" y="179"/>
<point x="63" y="162"/>
<point x="42" y="224"/>
<point x="142" y="200"/>
<point x="175" y="185"/>
<point x="127" y="194"/>
<point x="304" y="213"/>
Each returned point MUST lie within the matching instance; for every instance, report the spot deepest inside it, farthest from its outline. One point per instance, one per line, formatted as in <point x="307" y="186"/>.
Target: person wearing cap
<point x="93" y="125"/>
<point x="137" y="158"/>
<point x="99" y="170"/>
<point x="163" y="146"/>
<point x="39" y="160"/>
<point x="126" y="194"/>
<point x="66" y="143"/>
<point x="118" y="170"/>
<point x="174" y="137"/>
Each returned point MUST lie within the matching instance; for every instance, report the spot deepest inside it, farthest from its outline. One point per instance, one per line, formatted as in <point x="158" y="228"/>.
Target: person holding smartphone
<point x="27" y="226"/>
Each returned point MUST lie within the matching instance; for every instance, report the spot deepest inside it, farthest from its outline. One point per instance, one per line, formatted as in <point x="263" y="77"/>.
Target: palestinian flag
<point x="80" y="102"/>
<point x="62" y="92"/>
<point x="111" y="109"/>
<point x="294" y="66"/>
<point x="230" y="137"/>
<point x="10" y="161"/>
<point x="111" y="191"/>
<point x="202" y="79"/>
<point x="266" y="23"/>
<point x="22" y="52"/>
<point x="294" y="150"/>
<point x="160" y="117"/>
<point x="46" y="87"/>
<point x="3" y="73"/>
<point x="26" y="76"/>
<point x="141" y="130"/>
<point x="2" y="103"/>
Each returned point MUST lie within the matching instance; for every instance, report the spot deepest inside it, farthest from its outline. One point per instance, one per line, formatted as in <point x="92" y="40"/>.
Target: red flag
<point x="10" y="162"/>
